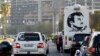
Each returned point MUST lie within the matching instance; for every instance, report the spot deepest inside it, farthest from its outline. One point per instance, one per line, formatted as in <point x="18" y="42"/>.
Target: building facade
<point x="30" y="12"/>
<point x="33" y="11"/>
<point x="92" y="4"/>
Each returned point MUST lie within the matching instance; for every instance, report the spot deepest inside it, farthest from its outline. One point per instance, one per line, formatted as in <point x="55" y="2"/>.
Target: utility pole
<point x="53" y="16"/>
<point x="39" y="11"/>
<point x="85" y="2"/>
<point x="92" y="7"/>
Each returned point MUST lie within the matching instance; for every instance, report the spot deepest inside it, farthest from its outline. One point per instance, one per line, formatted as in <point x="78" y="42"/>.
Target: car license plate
<point x="28" y="45"/>
<point x="30" y="50"/>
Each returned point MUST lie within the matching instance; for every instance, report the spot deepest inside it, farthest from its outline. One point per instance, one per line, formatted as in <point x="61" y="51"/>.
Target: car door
<point x="44" y="40"/>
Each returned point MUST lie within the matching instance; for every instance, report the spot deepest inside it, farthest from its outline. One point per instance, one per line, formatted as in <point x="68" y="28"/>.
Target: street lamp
<point x="54" y="15"/>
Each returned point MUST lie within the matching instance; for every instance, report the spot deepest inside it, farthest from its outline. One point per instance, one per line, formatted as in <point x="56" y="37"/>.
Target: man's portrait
<point x="75" y="22"/>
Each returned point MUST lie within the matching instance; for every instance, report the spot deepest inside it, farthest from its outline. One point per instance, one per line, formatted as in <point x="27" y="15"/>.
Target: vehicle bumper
<point x="97" y="54"/>
<point x="5" y="52"/>
<point x="29" y="52"/>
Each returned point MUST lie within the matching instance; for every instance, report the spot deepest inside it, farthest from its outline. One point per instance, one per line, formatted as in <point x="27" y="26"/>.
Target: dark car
<point x="77" y="42"/>
<point x="94" y="45"/>
<point x="84" y="45"/>
<point x="5" y="48"/>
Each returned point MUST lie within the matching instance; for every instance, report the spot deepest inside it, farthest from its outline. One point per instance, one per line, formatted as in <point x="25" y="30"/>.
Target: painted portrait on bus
<point x="75" y="22"/>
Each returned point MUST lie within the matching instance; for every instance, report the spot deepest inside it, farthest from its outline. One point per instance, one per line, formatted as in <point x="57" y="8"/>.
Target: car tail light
<point x="66" y="40"/>
<point x="40" y="45"/>
<point x="17" y="45"/>
<point x="91" y="50"/>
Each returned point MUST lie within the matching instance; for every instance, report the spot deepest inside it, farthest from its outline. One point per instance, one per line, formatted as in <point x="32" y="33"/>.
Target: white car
<point x="30" y="43"/>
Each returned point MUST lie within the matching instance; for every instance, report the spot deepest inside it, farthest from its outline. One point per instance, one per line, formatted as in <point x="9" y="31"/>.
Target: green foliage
<point x="5" y="8"/>
<point x="5" y="11"/>
<point x="61" y="23"/>
<point x="45" y="28"/>
<point x="95" y="20"/>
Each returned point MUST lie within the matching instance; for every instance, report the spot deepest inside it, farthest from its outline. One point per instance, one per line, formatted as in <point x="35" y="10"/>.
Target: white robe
<point x="78" y="51"/>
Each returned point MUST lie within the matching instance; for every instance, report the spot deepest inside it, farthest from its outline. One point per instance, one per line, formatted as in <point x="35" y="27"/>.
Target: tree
<point x="42" y="27"/>
<point x="61" y="23"/>
<point x="95" y="20"/>
<point x="5" y="9"/>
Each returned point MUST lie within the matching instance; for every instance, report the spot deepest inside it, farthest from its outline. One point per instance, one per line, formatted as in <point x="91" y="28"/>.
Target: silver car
<point x="30" y="43"/>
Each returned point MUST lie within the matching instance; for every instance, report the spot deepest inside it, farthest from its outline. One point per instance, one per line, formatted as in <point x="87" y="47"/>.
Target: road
<point x="53" y="51"/>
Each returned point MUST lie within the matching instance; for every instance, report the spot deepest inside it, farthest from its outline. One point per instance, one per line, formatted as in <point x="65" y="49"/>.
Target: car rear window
<point x="80" y="37"/>
<point x="5" y="42"/>
<point x="96" y="40"/>
<point x="29" y="37"/>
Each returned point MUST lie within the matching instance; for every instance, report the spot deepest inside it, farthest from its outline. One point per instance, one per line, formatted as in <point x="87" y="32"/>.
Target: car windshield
<point x="5" y="42"/>
<point x="29" y="37"/>
<point x="80" y="37"/>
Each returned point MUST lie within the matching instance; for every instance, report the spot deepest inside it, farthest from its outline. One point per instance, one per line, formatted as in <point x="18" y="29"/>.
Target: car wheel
<point x="43" y="55"/>
<point x="64" y="51"/>
<point x="16" y="55"/>
<point x="67" y="51"/>
<point x="72" y="53"/>
<point x="8" y="54"/>
<point x="85" y="55"/>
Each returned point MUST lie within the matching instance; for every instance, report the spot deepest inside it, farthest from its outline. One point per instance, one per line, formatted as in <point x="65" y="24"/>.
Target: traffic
<point x="75" y="39"/>
<point x="36" y="43"/>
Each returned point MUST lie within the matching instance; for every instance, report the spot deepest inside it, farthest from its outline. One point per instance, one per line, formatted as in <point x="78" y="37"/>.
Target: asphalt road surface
<point x="53" y="51"/>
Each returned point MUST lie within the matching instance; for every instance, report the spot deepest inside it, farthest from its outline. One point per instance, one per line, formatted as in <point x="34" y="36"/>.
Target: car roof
<point x="39" y="33"/>
<point x="95" y="33"/>
<point x="29" y="32"/>
<point x="92" y="39"/>
<point x="82" y="33"/>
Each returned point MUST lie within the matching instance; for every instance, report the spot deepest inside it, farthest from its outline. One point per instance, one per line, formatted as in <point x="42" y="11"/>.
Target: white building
<point x="30" y="12"/>
<point x="93" y="4"/>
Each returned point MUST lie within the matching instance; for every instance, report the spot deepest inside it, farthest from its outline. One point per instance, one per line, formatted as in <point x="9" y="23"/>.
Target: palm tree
<point x="5" y="9"/>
